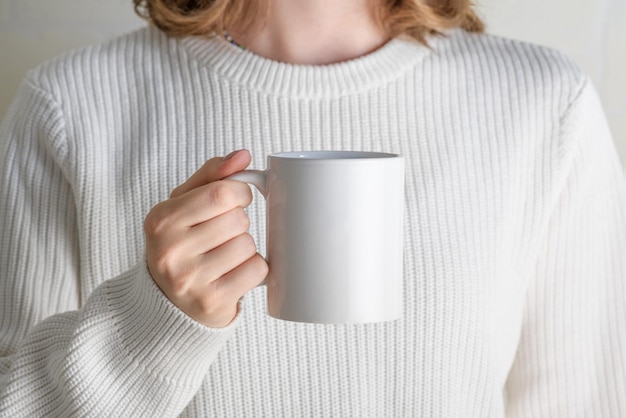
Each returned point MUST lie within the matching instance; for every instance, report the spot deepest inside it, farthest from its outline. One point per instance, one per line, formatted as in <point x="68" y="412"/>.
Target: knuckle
<point x="209" y="302"/>
<point x="157" y="220"/>
<point x="165" y="257"/>
<point x="213" y="165"/>
<point x="177" y="276"/>
<point x="176" y="191"/>
<point x="241" y="221"/>
<point x="220" y="170"/>
<point x="247" y="244"/>
<point x="247" y="194"/>
<point x="260" y="266"/>
<point x="177" y="287"/>
<point x="221" y="194"/>
<point x="164" y="263"/>
<point x="181" y="282"/>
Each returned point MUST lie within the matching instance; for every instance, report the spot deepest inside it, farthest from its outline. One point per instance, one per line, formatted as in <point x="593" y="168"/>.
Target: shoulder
<point x="527" y="70"/>
<point x="94" y="65"/>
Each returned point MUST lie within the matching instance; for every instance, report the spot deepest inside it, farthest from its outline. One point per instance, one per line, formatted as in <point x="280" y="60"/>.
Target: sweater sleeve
<point x="126" y="350"/>
<point x="571" y="359"/>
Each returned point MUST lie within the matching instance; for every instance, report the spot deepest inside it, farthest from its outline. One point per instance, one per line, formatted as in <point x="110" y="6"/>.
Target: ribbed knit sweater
<point x="515" y="240"/>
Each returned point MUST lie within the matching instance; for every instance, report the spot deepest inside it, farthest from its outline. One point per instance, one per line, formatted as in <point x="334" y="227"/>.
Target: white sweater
<point x="515" y="249"/>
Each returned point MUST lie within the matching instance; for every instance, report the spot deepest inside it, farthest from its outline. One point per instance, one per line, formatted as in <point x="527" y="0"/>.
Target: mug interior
<point x="332" y="155"/>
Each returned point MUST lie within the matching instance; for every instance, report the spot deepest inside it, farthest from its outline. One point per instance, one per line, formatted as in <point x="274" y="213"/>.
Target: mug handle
<point x="258" y="179"/>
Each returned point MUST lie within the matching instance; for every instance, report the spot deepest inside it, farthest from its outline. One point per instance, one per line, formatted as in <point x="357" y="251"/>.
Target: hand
<point x="198" y="249"/>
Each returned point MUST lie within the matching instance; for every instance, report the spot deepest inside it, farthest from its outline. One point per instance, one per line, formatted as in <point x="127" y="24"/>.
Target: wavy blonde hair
<point x="415" y="18"/>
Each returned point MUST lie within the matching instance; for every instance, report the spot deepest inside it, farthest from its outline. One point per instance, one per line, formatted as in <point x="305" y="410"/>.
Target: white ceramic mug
<point x="334" y="235"/>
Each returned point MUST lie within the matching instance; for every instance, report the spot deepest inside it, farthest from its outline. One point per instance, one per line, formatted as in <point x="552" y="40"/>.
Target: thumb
<point x="215" y="169"/>
<point x="233" y="163"/>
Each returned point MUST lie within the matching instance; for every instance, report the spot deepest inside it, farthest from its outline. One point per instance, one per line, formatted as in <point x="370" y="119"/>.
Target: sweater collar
<point x="258" y="73"/>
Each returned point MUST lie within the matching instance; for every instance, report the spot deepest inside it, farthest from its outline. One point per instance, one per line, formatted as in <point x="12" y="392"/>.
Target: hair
<point x="414" y="18"/>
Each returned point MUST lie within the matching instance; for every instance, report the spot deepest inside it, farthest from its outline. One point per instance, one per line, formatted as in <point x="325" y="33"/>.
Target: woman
<point x="124" y="274"/>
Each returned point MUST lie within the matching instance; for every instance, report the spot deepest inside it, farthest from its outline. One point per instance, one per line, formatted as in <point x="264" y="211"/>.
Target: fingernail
<point x="231" y="155"/>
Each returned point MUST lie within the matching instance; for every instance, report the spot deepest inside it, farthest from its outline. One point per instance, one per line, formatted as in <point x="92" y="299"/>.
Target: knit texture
<point x="515" y="240"/>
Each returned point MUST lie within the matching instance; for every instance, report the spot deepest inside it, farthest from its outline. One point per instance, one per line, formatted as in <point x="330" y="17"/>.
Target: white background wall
<point x="593" y="32"/>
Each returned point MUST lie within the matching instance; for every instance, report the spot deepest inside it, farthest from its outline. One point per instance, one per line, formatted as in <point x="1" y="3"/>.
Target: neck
<point x="314" y="32"/>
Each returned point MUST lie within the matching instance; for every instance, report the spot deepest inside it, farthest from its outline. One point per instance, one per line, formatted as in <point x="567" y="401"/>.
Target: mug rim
<point x="331" y="155"/>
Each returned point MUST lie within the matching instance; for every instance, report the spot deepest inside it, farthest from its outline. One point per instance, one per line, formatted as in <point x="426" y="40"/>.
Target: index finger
<point x="208" y="201"/>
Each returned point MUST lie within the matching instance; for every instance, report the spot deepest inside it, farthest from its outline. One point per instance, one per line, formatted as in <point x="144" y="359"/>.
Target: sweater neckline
<point x="243" y="67"/>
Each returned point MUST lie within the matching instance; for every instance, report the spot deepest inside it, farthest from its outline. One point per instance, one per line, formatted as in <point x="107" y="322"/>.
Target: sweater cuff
<point x="158" y="335"/>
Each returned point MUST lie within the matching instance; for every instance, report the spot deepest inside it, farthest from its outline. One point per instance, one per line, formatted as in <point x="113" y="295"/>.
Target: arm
<point x="127" y="350"/>
<point x="571" y="360"/>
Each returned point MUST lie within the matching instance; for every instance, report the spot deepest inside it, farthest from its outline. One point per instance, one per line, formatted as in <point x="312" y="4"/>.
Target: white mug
<point x="334" y="235"/>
